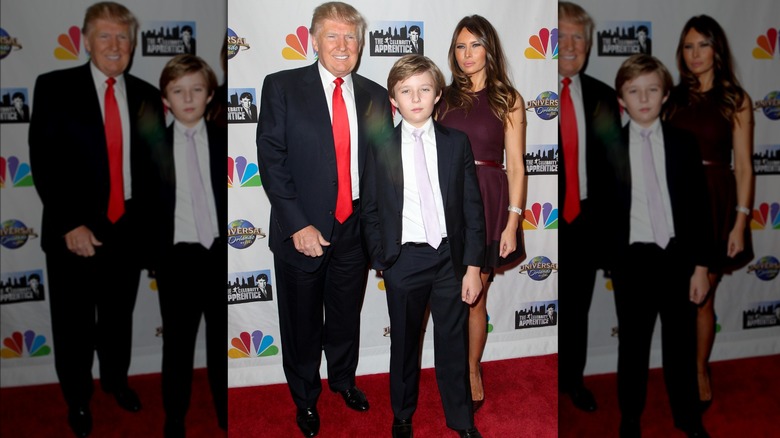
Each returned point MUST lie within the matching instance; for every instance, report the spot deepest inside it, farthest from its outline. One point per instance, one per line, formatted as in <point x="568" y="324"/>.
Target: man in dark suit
<point x="94" y="261"/>
<point x="597" y="117"/>
<point x="418" y="45"/>
<point x="22" y="109"/>
<point x="249" y="108"/>
<point x="645" y="43"/>
<point x="265" y="289"/>
<point x="319" y="259"/>
<point x="188" y="40"/>
<point x="428" y="261"/>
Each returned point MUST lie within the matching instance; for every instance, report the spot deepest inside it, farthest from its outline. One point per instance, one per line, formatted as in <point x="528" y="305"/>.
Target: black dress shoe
<point x="308" y="421"/>
<point x="630" y="428"/>
<point x="470" y="433"/>
<point x="696" y="432"/>
<point x="402" y="428"/>
<point x="127" y="399"/>
<point x="174" y="429"/>
<point x="583" y="399"/>
<point x="355" y="399"/>
<point x="80" y="421"/>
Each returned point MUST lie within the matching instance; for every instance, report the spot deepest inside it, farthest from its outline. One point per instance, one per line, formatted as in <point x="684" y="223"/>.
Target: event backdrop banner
<point x="747" y="305"/>
<point x="38" y="36"/>
<point x="264" y="39"/>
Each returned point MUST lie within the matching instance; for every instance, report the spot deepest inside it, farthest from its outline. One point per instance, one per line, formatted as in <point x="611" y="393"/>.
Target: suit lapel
<point x="444" y="156"/>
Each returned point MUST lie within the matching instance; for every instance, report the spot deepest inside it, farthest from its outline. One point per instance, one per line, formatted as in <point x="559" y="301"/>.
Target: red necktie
<point x="571" y="203"/>
<point x="113" y="126"/>
<point x="341" y="139"/>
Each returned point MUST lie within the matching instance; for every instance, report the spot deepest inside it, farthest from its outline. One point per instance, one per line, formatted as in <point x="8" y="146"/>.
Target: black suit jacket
<point x="296" y="153"/>
<point x="383" y="200"/>
<point x="167" y="184"/>
<point x="68" y="152"/>
<point x="687" y="187"/>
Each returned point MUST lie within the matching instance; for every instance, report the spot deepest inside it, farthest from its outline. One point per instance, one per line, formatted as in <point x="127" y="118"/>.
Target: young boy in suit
<point x="662" y="220"/>
<point x="424" y="226"/>
<point x="193" y="250"/>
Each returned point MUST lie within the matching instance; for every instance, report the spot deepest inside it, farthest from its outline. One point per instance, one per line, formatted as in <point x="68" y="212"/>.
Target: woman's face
<point x="698" y="53"/>
<point x="470" y="53"/>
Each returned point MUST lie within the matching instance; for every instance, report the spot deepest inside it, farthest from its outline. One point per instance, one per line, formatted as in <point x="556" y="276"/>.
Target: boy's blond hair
<point x="410" y="65"/>
<point x="181" y="65"/>
<point x="638" y="65"/>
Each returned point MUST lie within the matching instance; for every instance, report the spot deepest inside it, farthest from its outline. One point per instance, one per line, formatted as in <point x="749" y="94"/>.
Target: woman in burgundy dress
<point x="709" y="102"/>
<point x="482" y="102"/>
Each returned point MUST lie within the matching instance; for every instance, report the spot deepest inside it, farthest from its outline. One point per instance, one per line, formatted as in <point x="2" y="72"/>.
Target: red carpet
<point x="745" y="404"/>
<point x="521" y="402"/>
<point x="40" y="411"/>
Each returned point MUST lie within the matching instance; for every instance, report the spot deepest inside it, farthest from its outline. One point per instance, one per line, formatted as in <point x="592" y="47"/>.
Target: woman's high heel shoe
<point x="705" y="404"/>
<point x="476" y="404"/>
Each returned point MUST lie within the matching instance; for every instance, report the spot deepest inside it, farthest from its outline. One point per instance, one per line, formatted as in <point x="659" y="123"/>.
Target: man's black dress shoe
<point x="630" y="428"/>
<point x="80" y="421"/>
<point x="127" y="399"/>
<point x="583" y="399"/>
<point x="308" y="421"/>
<point x="355" y="399"/>
<point x="470" y="433"/>
<point x="402" y="428"/>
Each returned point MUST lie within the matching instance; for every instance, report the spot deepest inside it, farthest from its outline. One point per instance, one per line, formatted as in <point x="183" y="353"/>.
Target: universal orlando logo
<point x="545" y="105"/>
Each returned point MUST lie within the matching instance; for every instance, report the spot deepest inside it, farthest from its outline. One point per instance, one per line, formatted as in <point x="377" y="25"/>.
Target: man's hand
<point x="81" y="241"/>
<point x="309" y="241"/>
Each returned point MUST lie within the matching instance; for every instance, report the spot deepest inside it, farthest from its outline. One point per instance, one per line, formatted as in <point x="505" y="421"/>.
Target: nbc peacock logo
<point x="30" y="344"/>
<point x="69" y="45"/>
<point x="297" y="48"/>
<point x="766" y="45"/>
<point x="542" y="216"/>
<point x="540" y="43"/>
<point x="255" y="345"/>
<point x="766" y="215"/>
<point x="242" y="173"/>
<point x="14" y="173"/>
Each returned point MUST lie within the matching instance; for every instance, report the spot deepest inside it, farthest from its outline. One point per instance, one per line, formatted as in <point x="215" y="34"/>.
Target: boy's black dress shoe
<point x="308" y="421"/>
<point x="80" y="421"/>
<point x="355" y="399"/>
<point x="582" y="398"/>
<point x="402" y="428"/>
<point x="470" y="433"/>
<point x="127" y="399"/>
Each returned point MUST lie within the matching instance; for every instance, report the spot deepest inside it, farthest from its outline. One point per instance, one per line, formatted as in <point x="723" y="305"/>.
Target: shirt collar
<point x="199" y="127"/>
<point x="100" y="78"/>
<point x="427" y="131"/>
<point x="328" y="77"/>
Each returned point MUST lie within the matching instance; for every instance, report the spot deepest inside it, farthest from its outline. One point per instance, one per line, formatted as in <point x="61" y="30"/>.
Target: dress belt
<point x="715" y="163"/>
<point x="489" y="163"/>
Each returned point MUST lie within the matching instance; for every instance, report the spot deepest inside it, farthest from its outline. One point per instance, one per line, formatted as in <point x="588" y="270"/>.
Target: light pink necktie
<point x="200" y="208"/>
<point x="655" y="206"/>
<point x="424" y="187"/>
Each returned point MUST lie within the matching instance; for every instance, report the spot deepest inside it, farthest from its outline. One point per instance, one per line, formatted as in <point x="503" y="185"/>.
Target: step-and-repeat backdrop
<point x="38" y="36"/>
<point x="747" y="304"/>
<point x="264" y="39"/>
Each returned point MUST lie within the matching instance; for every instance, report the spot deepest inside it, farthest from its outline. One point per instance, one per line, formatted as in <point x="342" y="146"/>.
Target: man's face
<point x="550" y="311"/>
<point x="109" y="44"/>
<point x="246" y="102"/>
<point x="337" y="46"/>
<point x="573" y="48"/>
<point x="186" y="36"/>
<point x="414" y="36"/>
<point x="641" y="36"/>
<point x="262" y="282"/>
<point x="18" y="102"/>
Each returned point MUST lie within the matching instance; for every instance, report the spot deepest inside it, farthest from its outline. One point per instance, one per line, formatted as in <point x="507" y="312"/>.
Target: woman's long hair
<point x="502" y="96"/>
<point x="725" y="85"/>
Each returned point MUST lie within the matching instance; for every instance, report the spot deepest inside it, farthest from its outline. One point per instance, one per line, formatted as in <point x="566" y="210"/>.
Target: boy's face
<point x="643" y="97"/>
<point x="415" y="98"/>
<point x="187" y="98"/>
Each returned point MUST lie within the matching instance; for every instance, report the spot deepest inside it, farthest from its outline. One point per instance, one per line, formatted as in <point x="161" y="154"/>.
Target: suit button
<point x="334" y="183"/>
<point x="398" y="242"/>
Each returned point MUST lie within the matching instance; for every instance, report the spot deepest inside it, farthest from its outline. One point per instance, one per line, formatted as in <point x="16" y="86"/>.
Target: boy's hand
<point x="700" y="285"/>
<point x="472" y="285"/>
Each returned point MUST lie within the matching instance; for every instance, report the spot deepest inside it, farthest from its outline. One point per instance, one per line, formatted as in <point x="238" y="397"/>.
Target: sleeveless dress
<point x="486" y="134"/>
<point x="713" y="133"/>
